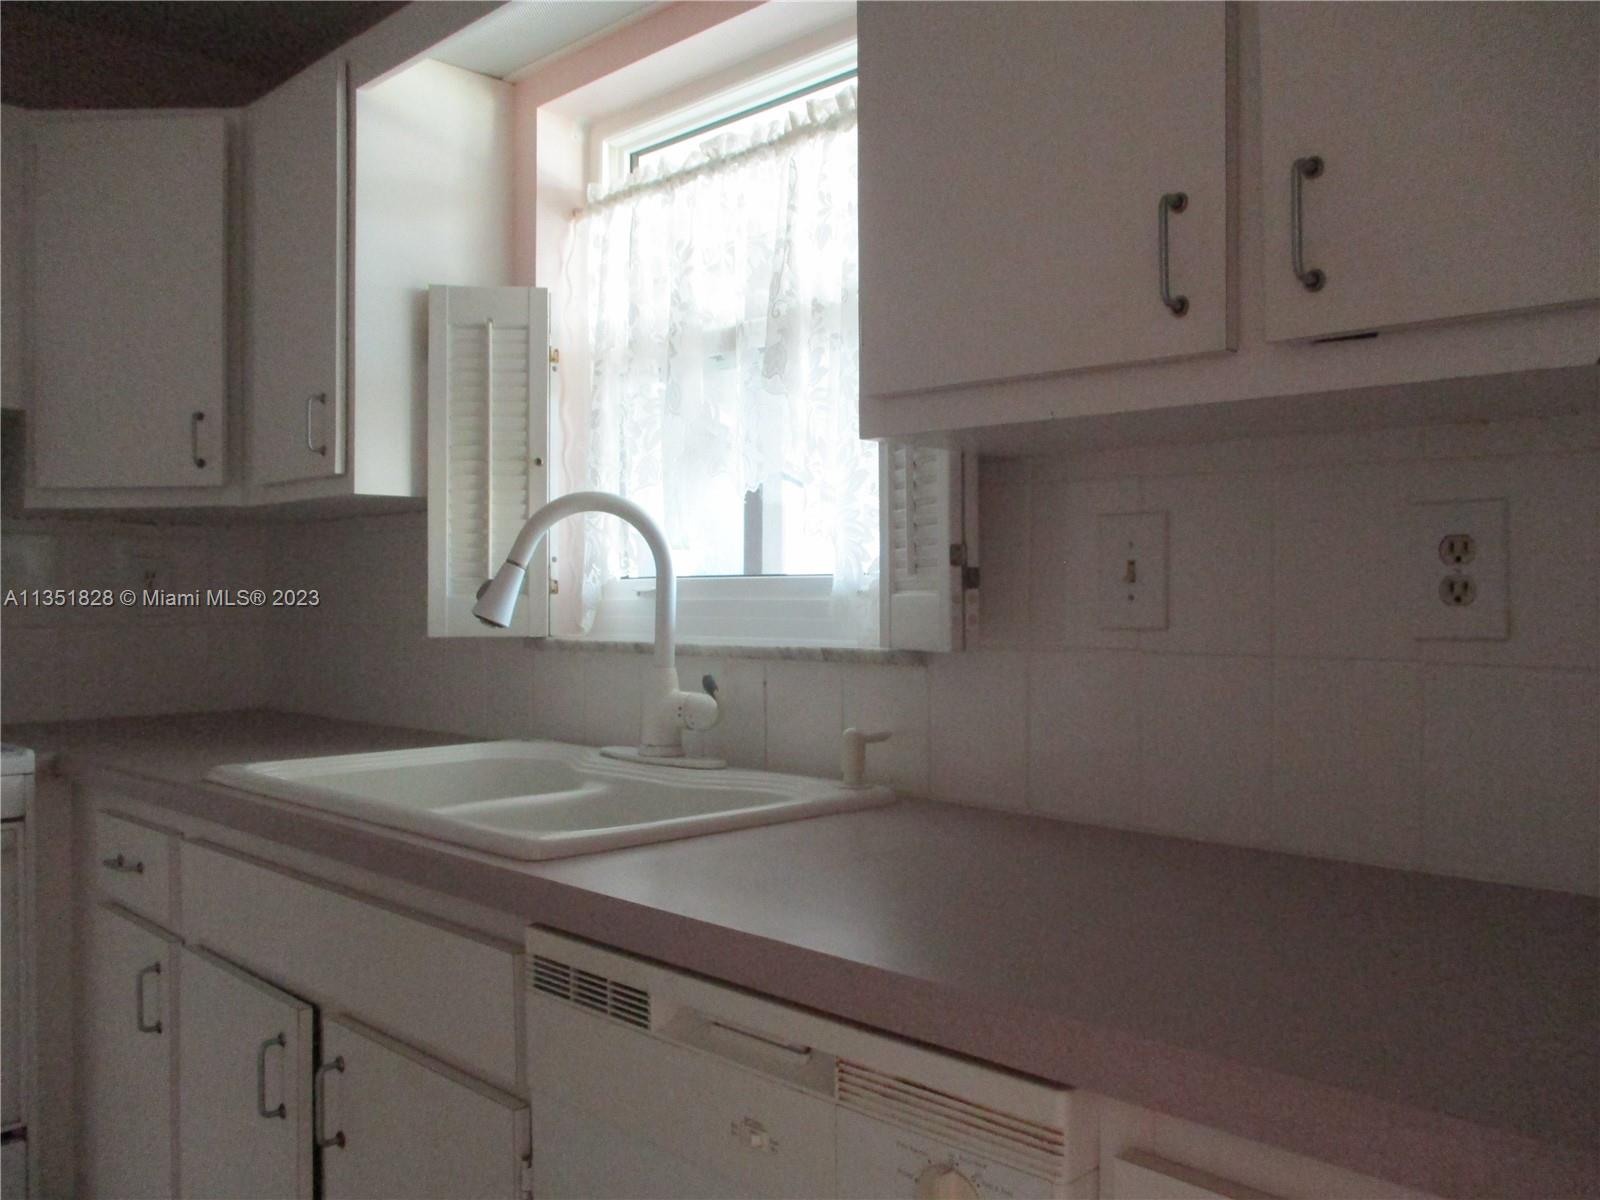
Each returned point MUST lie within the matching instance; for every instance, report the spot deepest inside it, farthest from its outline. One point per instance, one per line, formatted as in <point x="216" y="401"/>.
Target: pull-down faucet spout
<point x="668" y="710"/>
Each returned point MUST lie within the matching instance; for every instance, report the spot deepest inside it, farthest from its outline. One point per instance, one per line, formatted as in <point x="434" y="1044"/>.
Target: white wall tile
<point x="558" y="687"/>
<point x="1219" y="563"/>
<point x="978" y="728"/>
<point x="508" y="666"/>
<point x="891" y="700"/>
<point x="613" y="698"/>
<point x="804" y="718"/>
<point x="1195" y="730"/>
<point x="32" y="674"/>
<point x="1511" y="763"/>
<point x="1083" y="735"/>
<point x="1003" y="522"/>
<point x="1205" y="732"/>
<point x="1347" y="760"/>
<point x="446" y="690"/>
<point x="1530" y="435"/>
<point x="1065" y="520"/>
<point x="740" y="734"/>
<point x="1339" y="557"/>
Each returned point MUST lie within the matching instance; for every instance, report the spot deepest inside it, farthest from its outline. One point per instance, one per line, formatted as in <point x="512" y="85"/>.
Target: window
<point x="709" y="292"/>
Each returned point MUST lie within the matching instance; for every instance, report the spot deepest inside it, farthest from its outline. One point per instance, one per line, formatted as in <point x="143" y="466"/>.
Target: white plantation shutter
<point x="923" y="548"/>
<point x="488" y="429"/>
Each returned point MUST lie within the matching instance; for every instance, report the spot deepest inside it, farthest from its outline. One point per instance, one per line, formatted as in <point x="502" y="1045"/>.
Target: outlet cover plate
<point x="1434" y="618"/>
<point x="1131" y="563"/>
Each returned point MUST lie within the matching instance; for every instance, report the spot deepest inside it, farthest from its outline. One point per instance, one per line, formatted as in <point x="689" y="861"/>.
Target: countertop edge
<point x="1419" y="1148"/>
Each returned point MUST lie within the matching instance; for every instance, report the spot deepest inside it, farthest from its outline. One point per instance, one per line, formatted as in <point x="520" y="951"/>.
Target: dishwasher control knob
<point x="944" y="1183"/>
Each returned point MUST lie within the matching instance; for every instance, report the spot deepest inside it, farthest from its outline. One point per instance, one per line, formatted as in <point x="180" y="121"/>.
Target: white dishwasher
<point x="646" y="1082"/>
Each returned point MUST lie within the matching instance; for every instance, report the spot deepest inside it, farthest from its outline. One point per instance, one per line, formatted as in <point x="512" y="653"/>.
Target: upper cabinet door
<point x="130" y="302"/>
<point x="1459" y="149"/>
<point x="1015" y="160"/>
<point x="244" y="1085"/>
<point x="298" y="267"/>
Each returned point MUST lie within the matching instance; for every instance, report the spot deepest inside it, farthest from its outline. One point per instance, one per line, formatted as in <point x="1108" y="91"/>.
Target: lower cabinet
<point x="130" y="1057"/>
<point x="244" y="1085"/>
<point x="395" y="1124"/>
<point x="256" y="1050"/>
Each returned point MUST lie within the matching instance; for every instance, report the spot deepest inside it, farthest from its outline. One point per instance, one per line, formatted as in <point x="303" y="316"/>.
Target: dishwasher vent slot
<point x="1025" y="1144"/>
<point x="630" y="1005"/>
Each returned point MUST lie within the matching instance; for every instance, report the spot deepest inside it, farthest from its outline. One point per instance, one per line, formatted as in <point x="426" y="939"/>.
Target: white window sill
<point x="862" y="655"/>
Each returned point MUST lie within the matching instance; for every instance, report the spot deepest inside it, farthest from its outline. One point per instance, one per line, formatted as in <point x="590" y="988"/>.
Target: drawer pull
<point x="1303" y="169"/>
<point x="261" y="1079"/>
<point x="1172" y="202"/>
<point x="121" y="863"/>
<point x="320" y="1099"/>
<point x="194" y="439"/>
<point x="312" y="400"/>
<point x="138" y="999"/>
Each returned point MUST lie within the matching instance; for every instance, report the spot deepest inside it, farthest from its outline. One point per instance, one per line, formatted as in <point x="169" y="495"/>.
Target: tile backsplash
<point x="1287" y="703"/>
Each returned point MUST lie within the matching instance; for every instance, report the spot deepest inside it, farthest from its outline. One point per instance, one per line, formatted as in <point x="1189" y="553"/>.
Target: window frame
<point x="749" y="609"/>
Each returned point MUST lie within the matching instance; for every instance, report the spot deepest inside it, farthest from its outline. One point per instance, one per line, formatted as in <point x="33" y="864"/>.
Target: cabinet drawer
<point x="448" y="991"/>
<point x="134" y="865"/>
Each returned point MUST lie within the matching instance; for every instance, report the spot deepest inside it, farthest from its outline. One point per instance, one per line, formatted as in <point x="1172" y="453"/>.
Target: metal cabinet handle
<point x="121" y="863"/>
<point x="261" y="1078"/>
<point x="1303" y="169"/>
<point x="320" y="1100"/>
<point x="314" y="399"/>
<point x="138" y="1000"/>
<point x="194" y="438"/>
<point x="1172" y="202"/>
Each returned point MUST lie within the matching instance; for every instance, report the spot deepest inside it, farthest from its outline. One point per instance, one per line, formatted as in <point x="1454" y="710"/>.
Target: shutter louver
<point x="921" y="522"/>
<point x="488" y="398"/>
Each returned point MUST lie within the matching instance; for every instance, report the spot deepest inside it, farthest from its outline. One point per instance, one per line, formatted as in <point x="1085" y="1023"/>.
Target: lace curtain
<point x="717" y="311"/>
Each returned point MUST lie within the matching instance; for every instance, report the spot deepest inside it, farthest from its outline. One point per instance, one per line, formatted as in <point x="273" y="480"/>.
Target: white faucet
<point x="668" y="710"/>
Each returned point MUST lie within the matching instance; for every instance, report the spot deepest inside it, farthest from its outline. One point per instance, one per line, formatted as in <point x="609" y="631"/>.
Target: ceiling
<point x="166" y="54"/>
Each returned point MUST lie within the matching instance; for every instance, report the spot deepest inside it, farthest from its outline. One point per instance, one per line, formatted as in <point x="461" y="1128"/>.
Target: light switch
<point x="1131" y="550"/>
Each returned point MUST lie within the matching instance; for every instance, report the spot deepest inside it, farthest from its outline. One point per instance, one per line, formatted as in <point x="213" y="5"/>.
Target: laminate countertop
<point x="1438" y="1032"/>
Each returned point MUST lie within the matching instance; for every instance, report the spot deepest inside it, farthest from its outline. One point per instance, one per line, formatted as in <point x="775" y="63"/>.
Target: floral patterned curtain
<point x="718" y="308"/>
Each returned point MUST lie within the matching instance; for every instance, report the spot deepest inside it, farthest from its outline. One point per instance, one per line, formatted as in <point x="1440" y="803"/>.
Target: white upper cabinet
<point x="1016" y="161"/>
<point x="1459" y="149"/>
<point x="295" y="156"/>
<point x="359" y="201"/>
<point x="130" y="302"/>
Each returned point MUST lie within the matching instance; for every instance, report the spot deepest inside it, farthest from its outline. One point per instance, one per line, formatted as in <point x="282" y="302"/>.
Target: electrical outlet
<point x="1459" y="553"/>
<point x="1132" y="559"/>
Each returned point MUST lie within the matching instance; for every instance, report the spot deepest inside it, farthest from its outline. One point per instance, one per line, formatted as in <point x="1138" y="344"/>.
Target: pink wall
<point x="549" y="154"/>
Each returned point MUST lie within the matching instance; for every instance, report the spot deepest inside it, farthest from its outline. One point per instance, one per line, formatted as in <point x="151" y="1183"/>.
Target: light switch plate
<point x="1458" y="579"/>
<point x="1131" y="552"/>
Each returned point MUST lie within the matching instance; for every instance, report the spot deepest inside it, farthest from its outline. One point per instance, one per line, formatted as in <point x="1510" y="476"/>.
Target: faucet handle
<point x="853" y="756"/>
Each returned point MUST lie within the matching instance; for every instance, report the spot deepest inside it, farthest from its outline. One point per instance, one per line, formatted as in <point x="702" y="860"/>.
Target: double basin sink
<point x="539" y="800"/>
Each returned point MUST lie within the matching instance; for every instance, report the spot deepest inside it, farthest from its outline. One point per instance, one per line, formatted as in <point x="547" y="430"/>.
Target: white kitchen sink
<point x="537" y="800"/>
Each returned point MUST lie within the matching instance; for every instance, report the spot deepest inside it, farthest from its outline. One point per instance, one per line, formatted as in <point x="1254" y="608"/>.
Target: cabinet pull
<point x="314" y="399"/>
<point x="1303" y="169"/>
<point x="194" y="438"/>
<point x="320" y="1100"/>
<point x="261" y="1078"/>
<point x="1172" y="202"/>
<point x="138" y="999"/>
<point x="121" y="863"/>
